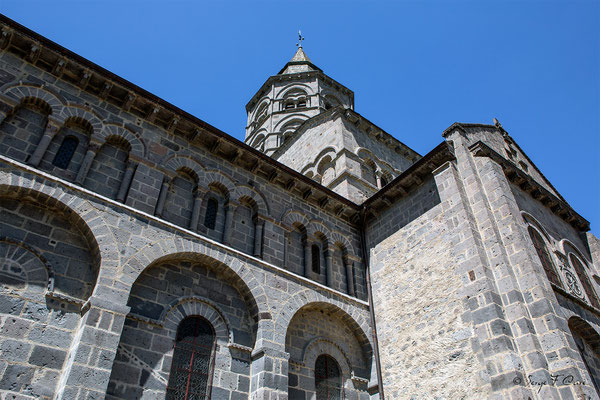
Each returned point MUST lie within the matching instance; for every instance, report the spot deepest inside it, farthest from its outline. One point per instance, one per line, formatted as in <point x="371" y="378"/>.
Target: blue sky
<point x="415" y="66"/>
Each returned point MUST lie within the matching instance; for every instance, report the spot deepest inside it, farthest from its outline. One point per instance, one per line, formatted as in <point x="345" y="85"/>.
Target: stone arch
<point x="291" y="87"/>
<point x="292" y="217"/>
<point x="87" y="219"/>
<point x="315" y="227"/>
<point x="79" y="112"/>
<point x="586" y="330"/>
<point x="337" y="238"/>
<point x="180" y="248"/>
<point x="21" y="263"/>
<point x="566" y="246"/>
<point x="296" y="117"/>
<point x="196" y="305"/>
<point x="258" y="138"/>
<point x="261" y="111"/>
<point x="531" y="220"/>
<point x="587" y="344"/>
<point x="176" y="162"/>
<point x="244" y="191"/>
<point x="348" y="316"/>
<point x="218" y="178"/>
<point x="330" y="150"/>
<point x="20" y="92"/>
<point x="321" y="345"/>
<point x="136" y="144"/>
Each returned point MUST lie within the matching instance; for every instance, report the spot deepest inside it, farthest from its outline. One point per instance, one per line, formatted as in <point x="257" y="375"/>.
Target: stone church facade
<point x="144" y="254"/>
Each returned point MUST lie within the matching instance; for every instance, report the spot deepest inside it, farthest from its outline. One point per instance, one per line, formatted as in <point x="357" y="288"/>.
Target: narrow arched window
<point x="328" y="380"/>
<point x="585" y="281"/>
<point x="191" y="368"/>
<point x="210" y="218"/>
<point x="315" y="258"/>
<point x="542" y="251"/>
<point x="65" y="152"/>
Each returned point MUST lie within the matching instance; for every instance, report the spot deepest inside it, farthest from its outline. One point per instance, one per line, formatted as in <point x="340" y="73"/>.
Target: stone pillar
<point x="350" y="276"/>
<point x="307" y="258"/>
<point x="269" y="366"/>
<point x="126" y="182"/>
<point x="52" y="129"/>
<point x="87" y="163"/>
<point x="258" y="236"/>
<point x="329" y="267"/>
<point x="162" y="197"/>
<point x="196" y="211"/>
<point x="229" y="210"/>
<point x="89" y="364"/>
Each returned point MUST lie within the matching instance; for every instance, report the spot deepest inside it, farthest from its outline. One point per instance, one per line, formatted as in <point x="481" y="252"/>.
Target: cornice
<point x="408" y="180"/>
<point x="97" y="81"/>
<point x="555" y="204"/>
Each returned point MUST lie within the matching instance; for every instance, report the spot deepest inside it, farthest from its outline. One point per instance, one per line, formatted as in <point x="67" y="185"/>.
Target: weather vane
<point x="300" y="39"/>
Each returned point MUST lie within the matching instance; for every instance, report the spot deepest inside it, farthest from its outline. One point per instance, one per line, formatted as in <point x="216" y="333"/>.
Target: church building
<point x="145" y="254"/>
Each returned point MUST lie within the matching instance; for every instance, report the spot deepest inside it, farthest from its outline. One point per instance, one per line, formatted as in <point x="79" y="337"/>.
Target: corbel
<point x="307" y="193"/>
<point x="290" y="184"/>
<point x="152" y="115"/>
<point x="273" y="175"/>
<point x="215" y="145"/>
<point x="6" y="38"/>
<point x="173" y="124"/>
<point x="236" y="156"/>
<point x="105" y="90"/>
<point x="128" y="101"/>
<point x="59" y="67"/>
<point x="85" y="78"/>
<point x="34" y="53"/>
<point x="324" y="202"/>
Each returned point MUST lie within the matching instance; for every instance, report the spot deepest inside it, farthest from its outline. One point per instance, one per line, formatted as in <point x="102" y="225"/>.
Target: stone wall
<point x="120" y="157"/>
<point x="424" y="338"/>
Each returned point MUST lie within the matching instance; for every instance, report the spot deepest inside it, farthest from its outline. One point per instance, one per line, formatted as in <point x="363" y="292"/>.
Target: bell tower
<point x="299" y="91"/>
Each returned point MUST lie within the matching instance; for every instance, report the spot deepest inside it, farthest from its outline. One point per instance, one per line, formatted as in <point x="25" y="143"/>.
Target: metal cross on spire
<point x="300" y="39"/>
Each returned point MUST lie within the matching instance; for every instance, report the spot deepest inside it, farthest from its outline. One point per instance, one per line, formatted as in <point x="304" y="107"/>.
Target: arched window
<point x="585" y="281"/>
<point x="328" y="380"/>
<point x="191" y="368"/>
<point x="315" y="258"/>
<point x="210" y="218"/>
<point x="65" y="152"/>
<point x="544" y="256"/>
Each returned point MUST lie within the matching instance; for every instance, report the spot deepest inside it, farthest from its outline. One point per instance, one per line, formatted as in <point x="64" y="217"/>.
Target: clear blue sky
<point x="415" y="66"/>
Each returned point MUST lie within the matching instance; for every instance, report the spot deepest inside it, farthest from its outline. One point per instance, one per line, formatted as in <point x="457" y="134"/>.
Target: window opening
<point x="191" y="368"/>
<point x="65" y="152"/>
<point x="328" y="382"/>
<point x="210" y="218"/>
<point x="585" y="281"/>
<point x="542" y="251"/>
<point x="315" y="258"/>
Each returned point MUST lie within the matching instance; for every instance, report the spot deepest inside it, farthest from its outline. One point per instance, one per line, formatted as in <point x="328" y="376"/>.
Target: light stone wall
<point x="424" y="339"/>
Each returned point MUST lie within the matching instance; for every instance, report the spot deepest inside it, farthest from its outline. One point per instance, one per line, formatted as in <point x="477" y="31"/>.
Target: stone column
<point x="269" y="366"/>
<point x="307" y="258"/>
<point x="196" y="211"/>
<point x="162" y="197"/>
<point x="87" y="163"/>
<point x="126" y="182"/>
<point x="89" y="364"/>
<point x="229" y="210"/>
<point x="52" y="129"/>
<point x="350" y="276"/>
<point x="258" y="236"/>
<point x="329" y="267"/>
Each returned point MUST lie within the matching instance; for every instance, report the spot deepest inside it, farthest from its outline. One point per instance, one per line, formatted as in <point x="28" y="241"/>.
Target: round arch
<point x="138" y="148"/>
<point x="77" y="111"/>
<point x="21" y="92"/>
